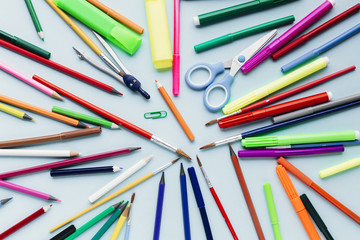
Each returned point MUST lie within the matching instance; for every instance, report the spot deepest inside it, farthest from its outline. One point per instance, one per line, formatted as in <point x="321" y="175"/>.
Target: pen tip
<point x="208" y="146"/>
<point x="182" y="153"/>
<point x="162" y="180"/>
<point x="211" y="122"/>
<point x="198" y="160"/>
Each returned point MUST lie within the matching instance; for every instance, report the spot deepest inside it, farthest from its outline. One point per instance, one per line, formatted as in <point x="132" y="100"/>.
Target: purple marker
<point x="289" y="152"/>
<point x="288" y="35"/>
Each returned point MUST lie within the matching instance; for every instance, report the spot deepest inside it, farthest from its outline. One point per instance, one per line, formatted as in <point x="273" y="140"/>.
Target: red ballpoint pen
<point x="306" y="37"/>
<point x="275" y="110"/>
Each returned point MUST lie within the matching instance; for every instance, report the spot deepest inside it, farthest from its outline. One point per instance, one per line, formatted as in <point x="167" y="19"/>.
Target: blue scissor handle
<point x="224" y="84"/>
<point x="213" y="69"/>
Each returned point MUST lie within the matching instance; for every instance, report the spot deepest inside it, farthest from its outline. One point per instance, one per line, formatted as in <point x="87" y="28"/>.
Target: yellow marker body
<point x="339" y="168"/>
<point x="159" y="33"/>
<point x="280" y="83"/>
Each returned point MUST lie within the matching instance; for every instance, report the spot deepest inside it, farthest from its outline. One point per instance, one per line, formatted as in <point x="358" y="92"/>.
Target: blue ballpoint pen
<point x="159" y="207"/>
<point x="185" y="205"/>
<point x="200" y="202"/>
<point x="323" y="48"/>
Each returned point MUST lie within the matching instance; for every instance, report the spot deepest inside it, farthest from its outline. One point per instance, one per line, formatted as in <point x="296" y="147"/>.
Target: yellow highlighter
<point x="280" y="83"/>
<point x="159" y="33"/>
<point x="120" y="224"/>
<point x="339" y="168"/>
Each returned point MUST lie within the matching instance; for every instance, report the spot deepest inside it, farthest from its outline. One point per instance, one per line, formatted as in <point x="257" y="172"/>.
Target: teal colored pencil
<point x="93" y="221"/>
<point x="84" y="117"/>
<point x="35" y="19"/>
<point x="109" y="222"/>
<point x="272" y="211"/>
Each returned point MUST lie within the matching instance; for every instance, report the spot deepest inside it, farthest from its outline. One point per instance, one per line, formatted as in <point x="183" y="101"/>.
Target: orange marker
<point x="175" y="111"/>
<point x="41" y="111"/>
<point x="117" y="16"/>
<point x="305" y="179"/>
<point x="297" y="203"/>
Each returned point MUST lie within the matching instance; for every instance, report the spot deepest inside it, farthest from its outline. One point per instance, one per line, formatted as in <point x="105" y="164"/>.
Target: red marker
<point x="275" y="110"/>
<point x="306" y="37"/>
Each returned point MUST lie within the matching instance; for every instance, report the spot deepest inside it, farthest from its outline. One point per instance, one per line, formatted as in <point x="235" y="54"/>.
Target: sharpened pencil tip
<point x="3" y="201"/>
<point x="174" y="161"/>
<point x="131" y="149"/>
<point x="208" y="146"/>
<point x="116" y="92"/>
<point x="162" y="180"/>
<point x="132" y="198"/>
<point x="57" y="96"/>
<point x="115" y="126"/>
<point x="182" y="172"/>
<point x="182" y="153"/>
<point x="52" y="198"/>
<point x="232" y="153"/>
<point x="211" y="122"/>
<point x="82" y="125"/>
<point x="27" y="117"/>
<point x="198" y="160"/>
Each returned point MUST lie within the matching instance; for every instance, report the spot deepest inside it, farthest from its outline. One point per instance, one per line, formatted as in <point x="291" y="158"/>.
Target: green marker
<point x="272" y="211"/>
<point x="93" y="221"/>
<point x="109" y="222"/>
<point x="101" y="23"/>
<point x="285" y="140"/>
<point x="243" y="33"/>
<point x="236" y="10"/>
<point x="84" y="117"/>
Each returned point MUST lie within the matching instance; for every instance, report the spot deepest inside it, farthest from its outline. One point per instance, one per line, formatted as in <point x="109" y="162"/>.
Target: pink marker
<point x="28" y="191"/>
<point x="30" y="81"/>
<point x="288" y="35"/>
<point x="176" y="56"/>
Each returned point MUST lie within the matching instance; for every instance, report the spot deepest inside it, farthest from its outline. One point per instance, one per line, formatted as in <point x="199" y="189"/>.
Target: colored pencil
<point x="110" y="222"/>
<point x="246" y="193"/>
<point x="185" y="204"/>
<point x="305" y="179"/>
<point x="59" y="67"/>
<point x="84" y="117"/>
<point x="93" y="221"/>
<point x="15" y="112"/>
<point x="217" y="200"/>
<point x="50" y="138"/>
<point x="115" y="119"/>
<point x="28" y="191"/>
<point x="41" y="111"/>
<point x="159" y="207"/>
<point x="306" y="37"/>
<point x="117" y="16"/>
<point x="272" y="127"/>
<point x="175" y="111"/>
<point x="37" y="153"/>
<point x="81" y="171"/>
<point x="297" y="204"/>
<point x="68" y="162"/>
<point x="120" y="223"/>
<point x="315" y="216"/>
<point x="25" y="221"/>
<point x="285" y="94"/>
<point x="200" y="202"/>
<point x="5" y="200"/>
<point x="128" y="223"/>
<point x="65" y="233"/>
<point x="35" y="19"/>
<point x="119" y="179"/>
<point x="272" y="211"/>
<point x="115" y="194"/>
<point x="29" y="81"/>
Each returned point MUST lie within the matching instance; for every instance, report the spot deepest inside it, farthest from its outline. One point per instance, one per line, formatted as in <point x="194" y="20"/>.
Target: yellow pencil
<point x="120" y="224"/>
<point x="15" y="112"/>
<point x="115" y="194"/>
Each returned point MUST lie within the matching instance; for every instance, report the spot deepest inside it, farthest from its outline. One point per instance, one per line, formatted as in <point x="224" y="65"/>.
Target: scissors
<point x="215" y="69"/>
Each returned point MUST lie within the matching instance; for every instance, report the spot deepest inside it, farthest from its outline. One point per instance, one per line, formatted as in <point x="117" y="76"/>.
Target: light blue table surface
<point x="74" y="191"/>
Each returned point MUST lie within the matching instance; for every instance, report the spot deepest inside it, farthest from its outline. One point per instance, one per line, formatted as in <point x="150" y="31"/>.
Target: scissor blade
<point x="240" y="59"/>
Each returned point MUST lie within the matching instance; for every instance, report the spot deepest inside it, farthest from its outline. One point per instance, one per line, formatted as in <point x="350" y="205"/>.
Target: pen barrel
<point x="305" y="218"/>
<point x="25" y="190"/>
<point x="79" y="133"/>
<point x="176" y="74"/>
<point x="289" y="152"/>
<point x="30" y="141"/>
<point x="159" y="207"/>
<point x="339" y="168"/>
<point x="33" y="15"/>
<point x="274" y="110"/>
<point x="298" y="61"/>
<point x="185" y="207"/>
<point x="66" y="172"/>
<point x="206" y="223"/>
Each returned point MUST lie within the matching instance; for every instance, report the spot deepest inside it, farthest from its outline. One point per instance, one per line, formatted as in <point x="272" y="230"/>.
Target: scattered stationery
<point x="25" y="221"/>
<point x="13" y="111"/>
<point x="38" y="153"/>
<point x="272" y="211"/>
<point x="50" y="138"/>
<point x="159" y="207"/>
<point x="80" y="171"/>
<point x="297" y="204"/>
<point x="288" y="35"/>
<point x="35" y="19"/>
<point x="339" y="168"/>
<point x="184" y="204"/>
<point x="68" y="162"/>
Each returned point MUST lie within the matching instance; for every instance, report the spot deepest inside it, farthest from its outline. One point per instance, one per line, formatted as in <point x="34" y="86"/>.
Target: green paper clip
<point x="155" y="115"/>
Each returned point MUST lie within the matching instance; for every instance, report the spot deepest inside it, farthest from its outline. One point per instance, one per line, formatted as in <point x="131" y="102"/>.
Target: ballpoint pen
<point x="185" y="204"/>
<point x="129" y="80"/>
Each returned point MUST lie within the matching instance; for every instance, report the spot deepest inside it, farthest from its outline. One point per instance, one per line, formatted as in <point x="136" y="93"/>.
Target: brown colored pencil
<point x="41" y="111"/>
<point x="246" y="194"/>
<point x="50" y="138"/>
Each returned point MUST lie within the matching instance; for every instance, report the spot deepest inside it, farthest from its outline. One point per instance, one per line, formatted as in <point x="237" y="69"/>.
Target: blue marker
<point x="317" y="51"/>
